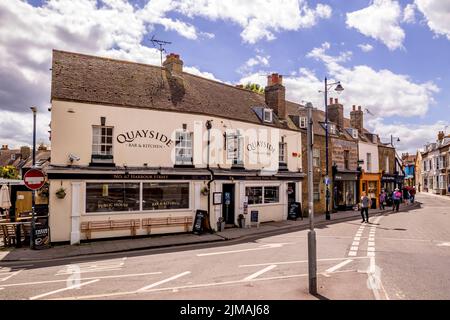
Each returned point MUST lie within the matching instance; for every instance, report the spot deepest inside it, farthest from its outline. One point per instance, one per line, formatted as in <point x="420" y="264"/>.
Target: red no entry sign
<point x="34" y="179"/>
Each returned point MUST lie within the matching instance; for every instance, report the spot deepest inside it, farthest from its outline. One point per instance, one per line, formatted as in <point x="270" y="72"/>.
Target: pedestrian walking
<point x="397" y="196"/>
<point x="412" y="194"/>
<point x="365" y="203"/>
<point x="383" y="196"/>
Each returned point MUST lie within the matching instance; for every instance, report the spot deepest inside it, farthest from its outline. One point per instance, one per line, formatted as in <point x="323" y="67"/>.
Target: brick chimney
<point x="4" y="147"/>
<point x="42" y="147"/>
<point x="275" y="94"/>
<point x="356" y="119"/>
<point x="25" y="152"/>
<point x="441" y="135"/>
<point x="336" y="113"/>
<point x="173" y="63"/>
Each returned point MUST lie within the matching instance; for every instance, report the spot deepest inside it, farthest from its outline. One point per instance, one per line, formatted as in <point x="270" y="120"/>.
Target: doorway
<point x="228" y="203"/>
<point x="291" y="192"/>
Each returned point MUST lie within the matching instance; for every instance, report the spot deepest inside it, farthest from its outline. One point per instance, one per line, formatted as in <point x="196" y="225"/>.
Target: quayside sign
<point x="144" y="138"/>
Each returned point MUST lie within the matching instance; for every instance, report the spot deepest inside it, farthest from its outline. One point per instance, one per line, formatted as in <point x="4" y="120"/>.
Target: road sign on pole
<point x="34" y="179"/>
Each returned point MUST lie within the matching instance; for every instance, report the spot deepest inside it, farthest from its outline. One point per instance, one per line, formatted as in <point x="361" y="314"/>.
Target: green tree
<point x="254" y="87"/>
<point x="9" y="172"/>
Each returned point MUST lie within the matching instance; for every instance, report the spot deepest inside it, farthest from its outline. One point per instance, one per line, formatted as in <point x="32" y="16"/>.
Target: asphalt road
<point x="401" y="255"/>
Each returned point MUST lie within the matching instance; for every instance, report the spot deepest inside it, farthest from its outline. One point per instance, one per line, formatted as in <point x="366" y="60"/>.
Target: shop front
<point x="388" y="182"/>
<point x="345" y="190"/>
<point x="370" y="184"/>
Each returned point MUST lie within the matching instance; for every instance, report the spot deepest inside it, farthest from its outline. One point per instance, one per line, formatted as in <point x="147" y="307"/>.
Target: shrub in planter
<point x="204" y="191"/>
<point x="241" y="220"/>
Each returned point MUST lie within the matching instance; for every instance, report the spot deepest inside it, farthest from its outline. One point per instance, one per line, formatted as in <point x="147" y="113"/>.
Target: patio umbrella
<point x="5" y="202"/>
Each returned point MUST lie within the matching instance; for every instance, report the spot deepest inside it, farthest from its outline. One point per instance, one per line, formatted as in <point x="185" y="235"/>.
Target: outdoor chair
<point x="3" y="235"/>
<point x="9" y="231"/>
<point x="26" y="231"/>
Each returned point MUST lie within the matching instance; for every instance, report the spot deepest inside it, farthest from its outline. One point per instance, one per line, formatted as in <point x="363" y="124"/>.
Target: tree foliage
<point x="9" y="172"/>
<point x="254" y="87"/>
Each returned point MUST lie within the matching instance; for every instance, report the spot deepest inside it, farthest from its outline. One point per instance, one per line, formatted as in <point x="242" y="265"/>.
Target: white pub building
<point x="139" y="149"/>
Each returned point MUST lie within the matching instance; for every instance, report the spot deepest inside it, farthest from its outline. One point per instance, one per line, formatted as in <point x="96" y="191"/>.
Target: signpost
<point x="34" y="179"/>
<point x="295" y="210"/>
<point x="200" y="216"/>
<point x="254" y="218"/>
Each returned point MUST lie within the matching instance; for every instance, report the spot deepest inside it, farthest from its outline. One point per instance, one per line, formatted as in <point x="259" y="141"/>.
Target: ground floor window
<point x="161" y="196"/>
<point x="110" y="197"/>
<point x="266" y="194"/>
<point x="316" y="191"/>
<point x="124" y="196"/>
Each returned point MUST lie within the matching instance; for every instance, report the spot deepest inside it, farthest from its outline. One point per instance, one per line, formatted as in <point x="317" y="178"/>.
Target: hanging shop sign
<point x="144" y="138"/>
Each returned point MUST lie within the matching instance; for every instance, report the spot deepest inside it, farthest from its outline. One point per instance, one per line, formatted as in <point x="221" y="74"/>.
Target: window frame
<point x="282" y="152"/>
<point x="178" y="147"/>
<point x="101" y="144"/>
<point x="263" y="194"/>
<point x="369" y="161"/>
<point x="238" y="140"/>
<point x="267" y="111"/>
<point x="304" y="121"/>
<point x="316" y="157"/>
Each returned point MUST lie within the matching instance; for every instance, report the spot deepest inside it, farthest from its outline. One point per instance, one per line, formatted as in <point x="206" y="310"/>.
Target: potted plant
<point x="204" y="191"/>
<point x="61" y="193"/>
<point x="220" y="224"/>
<point x="241" y="220"/>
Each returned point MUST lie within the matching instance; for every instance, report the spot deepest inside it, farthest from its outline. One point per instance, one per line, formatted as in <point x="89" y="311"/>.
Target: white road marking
<point x="444" y="244"/>
<point x="65" y="280"/>
<point x="371" y="254"/>
<point x="260" y="272"/>
<point x="354" y="248"/>
<point x="263" y="247"/>
<point x="357" y="238"/>
<point x="338" y="266"/>
<point x="202" y="285"/>
<point x="12" y="275"/>
<point x="352" y="254"/>
<point x="355" y="243"/>
<point x="163" y="281"/>
<point x="293" y="262"/>
<point x="63" y="289"/>
<point x="93" y="266"/>
<point x="371" y="243"/>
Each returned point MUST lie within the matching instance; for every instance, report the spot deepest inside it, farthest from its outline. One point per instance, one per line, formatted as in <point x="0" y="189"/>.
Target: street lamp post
<point x="33" y="197"/>
<point x="338" y="88"/>
<point x="392" y="140"/>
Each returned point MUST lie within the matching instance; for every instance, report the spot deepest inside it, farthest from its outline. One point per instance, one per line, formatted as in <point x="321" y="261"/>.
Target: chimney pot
<point x="354" y="107"/>
<point x="336" y="100"/>
<point x="173" y="63"/>
<point x="331" y="100"/>
<point x="359" y="108"/>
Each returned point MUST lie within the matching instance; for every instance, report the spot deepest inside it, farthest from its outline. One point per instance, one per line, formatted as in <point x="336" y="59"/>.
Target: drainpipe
<point x="208" y="127"/>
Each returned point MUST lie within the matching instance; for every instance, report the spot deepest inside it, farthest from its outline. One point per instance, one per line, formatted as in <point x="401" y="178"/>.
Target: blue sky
<point x="402" y="77"/>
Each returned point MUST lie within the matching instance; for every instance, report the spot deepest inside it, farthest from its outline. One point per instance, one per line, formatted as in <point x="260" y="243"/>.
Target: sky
<point x="392" y="57"/>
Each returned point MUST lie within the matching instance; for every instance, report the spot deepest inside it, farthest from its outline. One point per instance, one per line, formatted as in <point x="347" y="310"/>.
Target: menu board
<point x="295" y="210"/>
<point x="200" y="217"/>
<point x="254" y="216"/>
<point x="41" y="237"/>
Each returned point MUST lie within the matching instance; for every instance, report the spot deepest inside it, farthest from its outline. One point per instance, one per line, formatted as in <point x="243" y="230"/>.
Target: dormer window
<point x="332" y="128"/>
<point x="303" y="122"/>
<point x="374" y="138"/>
<point x="355" y="133"/>
<point x="267" y="115"/>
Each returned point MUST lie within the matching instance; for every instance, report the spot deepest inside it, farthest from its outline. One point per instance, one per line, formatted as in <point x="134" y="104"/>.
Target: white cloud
<point x="258" y="60"/>
<point x="412" y="136"/>
<point x="112" y="28"/>
<point x="259" y="19"/>
<point x="437" y="14"/>
<point x="409" y="15"/>
<point x="383" y="92"/>
<point x="380" y="21"/>
<point x="366" y="47"/>
<point x="203" y="74"/>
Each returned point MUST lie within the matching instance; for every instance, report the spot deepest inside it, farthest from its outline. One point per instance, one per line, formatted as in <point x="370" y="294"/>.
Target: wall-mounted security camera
<point x="73" y="158"/>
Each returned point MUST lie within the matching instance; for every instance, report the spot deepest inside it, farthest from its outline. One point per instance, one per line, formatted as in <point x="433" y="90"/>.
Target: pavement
<point x="231" y="235"/>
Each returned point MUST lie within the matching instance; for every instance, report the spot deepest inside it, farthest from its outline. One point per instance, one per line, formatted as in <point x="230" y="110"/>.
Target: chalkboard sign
<point x="254" y="216"/>
<point x="41" y="237"/>
<point x="295" y="210"/>
<point x="200" y="217"/>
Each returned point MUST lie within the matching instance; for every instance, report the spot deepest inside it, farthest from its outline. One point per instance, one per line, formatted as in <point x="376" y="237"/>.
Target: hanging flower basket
<point x="204" y="191"/>
<point x="61" y="193"/>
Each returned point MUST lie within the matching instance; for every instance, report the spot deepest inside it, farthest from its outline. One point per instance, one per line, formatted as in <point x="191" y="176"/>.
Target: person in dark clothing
<point x="365" y="203"/>
<point x="412" y="194"/>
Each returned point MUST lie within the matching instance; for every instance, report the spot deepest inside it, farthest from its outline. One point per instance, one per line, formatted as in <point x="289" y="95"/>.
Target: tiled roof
<point x="90" y="79"/>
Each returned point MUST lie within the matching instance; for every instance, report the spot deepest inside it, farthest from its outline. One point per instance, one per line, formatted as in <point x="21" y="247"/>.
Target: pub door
<point x="228" y="203"/>
<point x="291" y="192"/>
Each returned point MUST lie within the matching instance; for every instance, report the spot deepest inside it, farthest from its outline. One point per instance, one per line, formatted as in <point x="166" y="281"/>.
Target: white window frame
<point x="355" y="133"/>
<point x="387" y="164"/>
<point x="183" y="144"/>
<point x="282" y="153"/>
<point x="237" y="155"/>
<point x="99" y="143"/>
<point x="267" y="111"/>
<point x="332" y="128"/>
<point x="302" y="122"/>
<point x="369" y="161"/>
<point x="316" y="155"/>
<point x="263" y="200"/>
